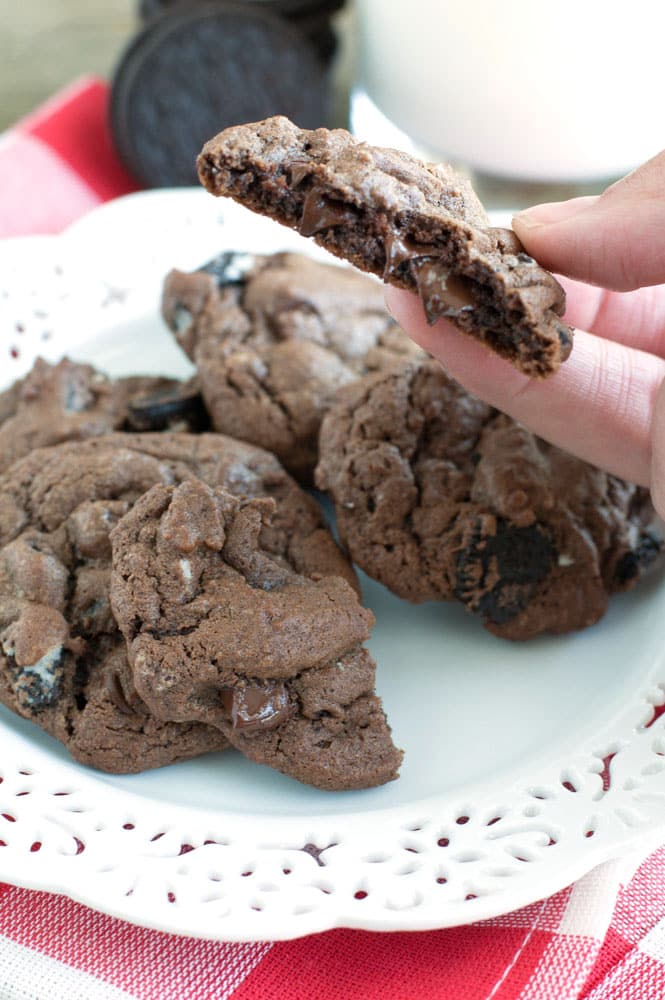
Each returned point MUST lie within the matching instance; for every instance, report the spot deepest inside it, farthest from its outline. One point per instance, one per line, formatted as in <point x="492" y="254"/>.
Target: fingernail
<point x="527" y="219"/>
<point x="557" y="211"/>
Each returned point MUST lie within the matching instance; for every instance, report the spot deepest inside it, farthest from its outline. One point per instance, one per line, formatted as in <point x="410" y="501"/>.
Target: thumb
<point x="616" y="240"/>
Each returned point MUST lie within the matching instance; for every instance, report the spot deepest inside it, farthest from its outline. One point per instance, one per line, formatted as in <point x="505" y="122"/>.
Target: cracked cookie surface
<point x="274" y="338"/>
<point x="417" y="225"/>
<point x="63" y="661"/>
<point x="439" y="497"/>
<point x="225" y="633"/>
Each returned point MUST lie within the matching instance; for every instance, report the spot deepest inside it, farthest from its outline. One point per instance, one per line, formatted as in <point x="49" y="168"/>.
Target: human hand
<point x="605" y="403"/>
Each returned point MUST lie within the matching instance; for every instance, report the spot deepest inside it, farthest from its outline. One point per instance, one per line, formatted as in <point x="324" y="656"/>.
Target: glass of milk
<point x="570" y="91"/>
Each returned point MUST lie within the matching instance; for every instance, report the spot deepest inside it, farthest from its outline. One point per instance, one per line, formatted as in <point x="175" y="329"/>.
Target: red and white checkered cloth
<point x="601" y="939"/>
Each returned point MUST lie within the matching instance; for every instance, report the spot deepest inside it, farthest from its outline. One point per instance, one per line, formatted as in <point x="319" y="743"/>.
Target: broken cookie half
<point x="417" y="225"/>
<point x="222" y="632"/>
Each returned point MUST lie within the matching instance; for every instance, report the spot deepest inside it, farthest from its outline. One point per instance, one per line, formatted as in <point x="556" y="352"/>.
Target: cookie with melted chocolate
<point x="440" y="497"/>
<point x="274" y="338"/>
<point x="63" y="661"/>
<point x="417" y="225"/>
<point x="222" y="632"/>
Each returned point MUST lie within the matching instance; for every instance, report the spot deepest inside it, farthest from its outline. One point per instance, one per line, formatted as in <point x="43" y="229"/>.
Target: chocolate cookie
<point x="55" y="403"/>
<point x="72" y="402"/>
<point x="221" y="631"/>
<point x="417" y="225"/>
<point x="274" y="338"/>
<point x="189" y="73"/>
<point x="438" y="497"/>
<point x="62" y="663"/>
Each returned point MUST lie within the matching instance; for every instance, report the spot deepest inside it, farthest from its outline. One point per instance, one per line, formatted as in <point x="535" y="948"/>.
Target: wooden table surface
<point x="45" y="44"/>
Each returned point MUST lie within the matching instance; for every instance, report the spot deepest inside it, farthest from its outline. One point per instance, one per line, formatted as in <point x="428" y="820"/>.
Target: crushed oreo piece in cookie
<point x="170" y="408"/>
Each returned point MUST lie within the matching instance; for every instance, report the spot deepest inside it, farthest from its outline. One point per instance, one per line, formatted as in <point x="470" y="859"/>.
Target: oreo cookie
<point x="149" y="9"/>
<point x="318" y="29"/>
<point x="200" y="69"/>
<point x="310" y="17"/>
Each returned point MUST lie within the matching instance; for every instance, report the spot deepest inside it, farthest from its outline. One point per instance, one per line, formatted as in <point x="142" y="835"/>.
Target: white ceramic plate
<point x="525" y="766"/>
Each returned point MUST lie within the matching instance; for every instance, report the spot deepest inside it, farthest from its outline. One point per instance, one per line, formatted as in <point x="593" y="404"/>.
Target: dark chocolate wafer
<point x="187" y="75"/>
<point x="283" y="8"/>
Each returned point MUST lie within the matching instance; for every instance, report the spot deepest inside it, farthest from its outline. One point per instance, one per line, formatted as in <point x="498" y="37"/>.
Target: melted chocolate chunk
<point x="441" y="293"/>
<point x="257" y="708"/>
<point x="399" y="250"/>
<point x="321" y="212"/>
<point x="298" y="171"/>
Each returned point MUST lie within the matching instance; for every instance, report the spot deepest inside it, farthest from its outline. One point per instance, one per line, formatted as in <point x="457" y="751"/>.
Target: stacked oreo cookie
<point x="197" y="66"/>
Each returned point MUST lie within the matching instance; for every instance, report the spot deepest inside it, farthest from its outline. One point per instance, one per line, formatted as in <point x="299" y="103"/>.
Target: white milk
<point x="568" y="90"/>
